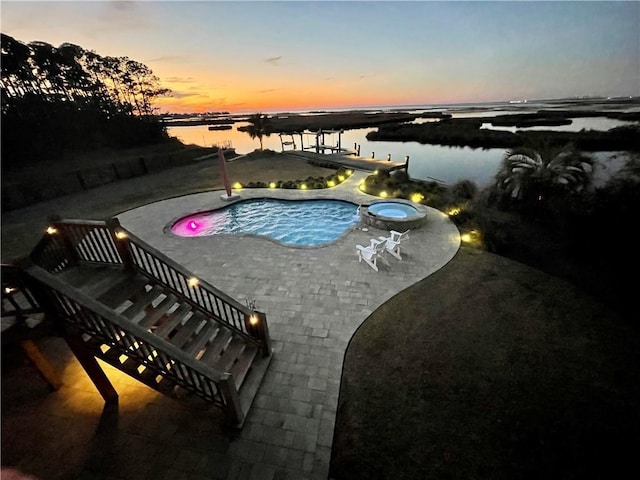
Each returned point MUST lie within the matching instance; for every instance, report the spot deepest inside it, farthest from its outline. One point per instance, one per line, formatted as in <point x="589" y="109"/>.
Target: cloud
<point x="268" y="90"/>
<point x="121" y="15"/>
<point x="172" y="59"/>
<point x="176" y="94"/>
<point x="275" y="61"/>
<point x="121" y="6"/>
<point x="180" y="79"/>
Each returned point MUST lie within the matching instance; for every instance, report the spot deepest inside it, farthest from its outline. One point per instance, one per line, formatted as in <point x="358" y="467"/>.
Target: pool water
<point x="393" y="209"/>
<point x="304" y="223"/>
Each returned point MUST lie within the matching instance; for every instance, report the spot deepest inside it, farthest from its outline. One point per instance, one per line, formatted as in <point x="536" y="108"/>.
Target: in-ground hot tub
<point x="394" y="214"/>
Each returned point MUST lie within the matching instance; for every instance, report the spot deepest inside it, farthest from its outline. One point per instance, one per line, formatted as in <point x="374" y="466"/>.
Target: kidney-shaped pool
<point x="299" y="223"/>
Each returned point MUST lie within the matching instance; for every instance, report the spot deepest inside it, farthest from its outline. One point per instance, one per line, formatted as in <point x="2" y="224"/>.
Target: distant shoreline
<point x="615" y="103"/>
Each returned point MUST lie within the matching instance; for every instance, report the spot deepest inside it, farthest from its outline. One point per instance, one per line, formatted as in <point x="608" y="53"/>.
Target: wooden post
<point x="69" y="247"/>
<point x="93" y="369"/>
<point x="123" y="245"/>
<point x="42" y="365"/>
<point x="260" y="329"/>
<point x="232" y="399"/>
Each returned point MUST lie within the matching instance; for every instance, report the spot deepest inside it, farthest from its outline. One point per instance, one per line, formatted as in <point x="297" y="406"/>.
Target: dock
<point x="346" y="159"/>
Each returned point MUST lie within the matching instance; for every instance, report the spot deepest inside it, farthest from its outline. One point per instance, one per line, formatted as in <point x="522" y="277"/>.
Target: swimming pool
<point x="299" y="223"/>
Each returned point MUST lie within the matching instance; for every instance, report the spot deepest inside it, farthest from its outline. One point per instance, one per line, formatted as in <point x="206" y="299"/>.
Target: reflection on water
<point x="426" y="162"/>
<point x="577" y="124"/>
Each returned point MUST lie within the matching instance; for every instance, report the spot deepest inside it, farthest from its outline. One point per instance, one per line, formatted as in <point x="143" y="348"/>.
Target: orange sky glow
<point x="284" y="56"/>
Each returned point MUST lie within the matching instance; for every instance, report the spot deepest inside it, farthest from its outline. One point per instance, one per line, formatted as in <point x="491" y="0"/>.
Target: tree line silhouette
<point x="61" y="100"/>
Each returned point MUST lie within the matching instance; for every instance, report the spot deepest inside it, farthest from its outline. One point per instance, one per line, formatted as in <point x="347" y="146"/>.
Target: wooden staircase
<point x="123" y="302"/>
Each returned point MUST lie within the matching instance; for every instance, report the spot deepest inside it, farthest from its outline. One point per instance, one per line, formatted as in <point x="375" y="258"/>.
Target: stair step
<point x="217" y="346"/>
<point x="91" y="280"/>
<point x="143" y="302"/>
<point x="128" y="286"/>
<point x="230" y="355"/>
<point x="203" y="337"/>
<point x="149" y="377"/>
<point x="160" y="311"/>
<point x="187" y="330"/>
<point x="240" y="369"/>
<point x="175" y="319"/>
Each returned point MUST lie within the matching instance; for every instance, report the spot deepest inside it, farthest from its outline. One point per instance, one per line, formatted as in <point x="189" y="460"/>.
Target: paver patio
<point x="314" y="298"/>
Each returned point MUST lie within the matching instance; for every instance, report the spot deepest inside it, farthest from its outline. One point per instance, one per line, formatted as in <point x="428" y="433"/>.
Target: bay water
<point x="426" y="162"/>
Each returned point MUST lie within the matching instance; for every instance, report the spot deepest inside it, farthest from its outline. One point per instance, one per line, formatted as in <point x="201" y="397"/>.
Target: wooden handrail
<point x="92" y="317"/>
<point x="197" y="292"/>
<point x="14" y="283"/>
<point x="94" y="241"/>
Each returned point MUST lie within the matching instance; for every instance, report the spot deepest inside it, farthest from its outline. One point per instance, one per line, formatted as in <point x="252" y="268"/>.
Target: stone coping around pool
<point x="390" y="223"/>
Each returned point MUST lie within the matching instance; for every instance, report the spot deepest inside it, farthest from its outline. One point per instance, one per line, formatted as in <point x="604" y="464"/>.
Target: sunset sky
<point x="280" y="56"/>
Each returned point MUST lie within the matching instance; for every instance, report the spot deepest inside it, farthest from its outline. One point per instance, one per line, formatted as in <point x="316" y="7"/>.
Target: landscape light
<point x="303" y="186"/>
<point x="453" y="212"/>
<point x="362" y="187"/>
<point x="193" y="281"/>
<point x="417" y="197"/>
<point x="331" y="183"/>
<point x="237" y="186"/>
<point x="121" y="235"/>
<point x="8" y="290"/>
<point x="253" y="320"/>
<point x="465" y="237"/>
<point x="383" y="194"/>
<point x="349" y="172"/>
<point x="272" y="185"/>
<point x="51" y="230"/>
<point x="341" y="178"/>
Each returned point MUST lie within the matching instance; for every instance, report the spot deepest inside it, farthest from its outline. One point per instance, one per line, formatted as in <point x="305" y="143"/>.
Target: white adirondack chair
<point x="393" y="241"/>
<point x="371" y="252"/>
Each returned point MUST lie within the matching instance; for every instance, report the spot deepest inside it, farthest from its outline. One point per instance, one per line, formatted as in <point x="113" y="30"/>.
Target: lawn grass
<point x="489" y="369"/>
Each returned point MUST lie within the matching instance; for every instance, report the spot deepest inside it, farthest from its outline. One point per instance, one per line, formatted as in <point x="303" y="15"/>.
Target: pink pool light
<point x="190" y="226"/>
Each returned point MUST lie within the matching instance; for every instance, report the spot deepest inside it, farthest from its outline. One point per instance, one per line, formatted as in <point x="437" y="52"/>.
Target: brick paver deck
<point x="314" y="298"/>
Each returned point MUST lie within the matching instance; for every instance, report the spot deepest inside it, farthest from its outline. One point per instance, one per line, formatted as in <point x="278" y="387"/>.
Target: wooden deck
<point x="120" y="300"/>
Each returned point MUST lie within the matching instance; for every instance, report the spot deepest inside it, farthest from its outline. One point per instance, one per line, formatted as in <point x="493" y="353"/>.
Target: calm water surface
<point x="426" y="162"/>
<point x="305" y="223"/>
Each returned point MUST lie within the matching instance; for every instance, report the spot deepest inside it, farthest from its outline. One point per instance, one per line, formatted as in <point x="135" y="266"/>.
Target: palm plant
<point x="257" y="127"/>
<point x="533" y="172"/>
